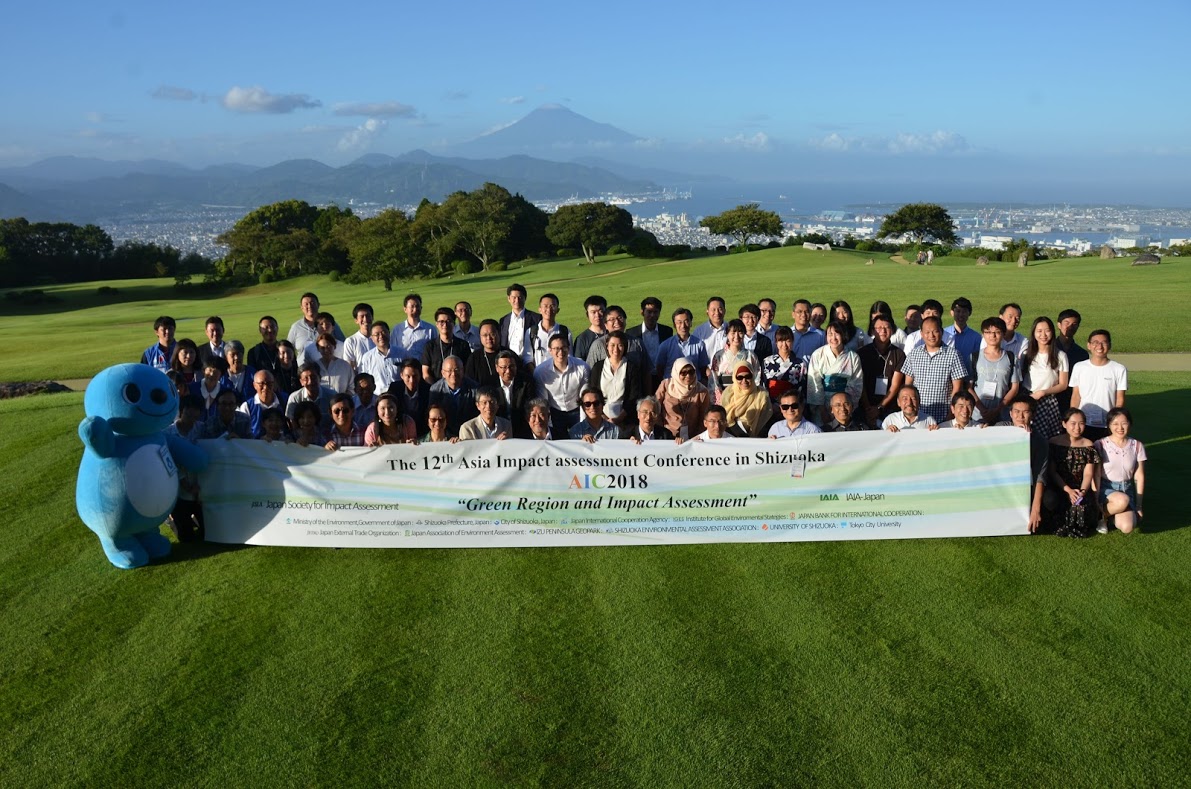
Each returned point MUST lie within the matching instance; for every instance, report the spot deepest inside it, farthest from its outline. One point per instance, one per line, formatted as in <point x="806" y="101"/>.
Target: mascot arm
<point x="98" y="436"/>
<point x="190" y="456"/>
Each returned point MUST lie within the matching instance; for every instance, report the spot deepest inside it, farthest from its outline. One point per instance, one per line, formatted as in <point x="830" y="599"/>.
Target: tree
<point x="480" y="220"/>
<point x="278" y="238"/>
<point x="432" y="231"/>
<point x="591" y="226"/>
<point x="382" y="247"/>
<point x="920" y="221"/>
<point x="744" y="222"/>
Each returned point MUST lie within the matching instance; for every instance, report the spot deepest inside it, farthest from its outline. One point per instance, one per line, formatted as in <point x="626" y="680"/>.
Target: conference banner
<point x="515" y="493"/>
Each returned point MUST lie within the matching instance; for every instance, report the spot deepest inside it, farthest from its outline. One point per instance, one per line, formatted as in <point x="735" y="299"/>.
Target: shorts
<point x="1127" y="487"/>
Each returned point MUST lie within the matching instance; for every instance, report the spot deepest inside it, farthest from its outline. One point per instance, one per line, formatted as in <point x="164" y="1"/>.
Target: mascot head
<point x="135" y="399"/>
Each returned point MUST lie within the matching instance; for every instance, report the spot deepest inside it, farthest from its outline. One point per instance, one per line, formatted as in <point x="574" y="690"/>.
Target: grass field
<point x="1023" y="660"/>
<point x="1026" y="661"/>
<point x="118" y="328"/>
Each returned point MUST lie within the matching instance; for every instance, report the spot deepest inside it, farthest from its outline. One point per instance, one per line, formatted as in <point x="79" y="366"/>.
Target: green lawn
<point x="106" y="330"/>
<point x="1009" y="661"/>
<point x="1028" y="661"/>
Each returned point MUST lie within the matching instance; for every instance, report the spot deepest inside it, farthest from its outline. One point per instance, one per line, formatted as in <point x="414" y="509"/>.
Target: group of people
<point x="526" y="375"/>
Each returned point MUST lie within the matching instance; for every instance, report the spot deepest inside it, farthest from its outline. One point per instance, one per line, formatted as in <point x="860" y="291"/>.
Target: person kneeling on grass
<point x="1073" y="472"/>
<point x="1122" y="473"/>
<point x="186" y="521"/>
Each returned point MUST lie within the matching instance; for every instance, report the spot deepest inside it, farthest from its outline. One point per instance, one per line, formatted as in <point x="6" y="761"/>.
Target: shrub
<point x="618" y="249"/>
<point x="334" y="275"/>
<point x="106" y="290"/>
<point x="461" y="268"/>
<point x="265" y="278"/>
<point x="497" y="266"/>
<point x="566" y="253"/>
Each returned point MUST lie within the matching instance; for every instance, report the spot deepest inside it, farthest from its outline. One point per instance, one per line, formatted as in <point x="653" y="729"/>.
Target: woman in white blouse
<point x="1044" y="372"/>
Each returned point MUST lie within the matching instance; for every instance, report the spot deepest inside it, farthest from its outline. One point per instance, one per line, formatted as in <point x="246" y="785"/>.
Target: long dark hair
<point x="882" y="308"/>
<point x="1027" y="358"/>
<point x="849" y="323"/>
<point x="379" y="428"/>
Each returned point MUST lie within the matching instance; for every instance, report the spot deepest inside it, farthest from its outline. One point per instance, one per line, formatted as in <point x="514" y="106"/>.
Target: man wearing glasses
<point x="1098" y="385"/>
<point x="593" y="427"/>
<point x="443" y="345"/>
<point x="560" y="383"/>
<point x="266" y="399"/>
<point x="793" y="423"/>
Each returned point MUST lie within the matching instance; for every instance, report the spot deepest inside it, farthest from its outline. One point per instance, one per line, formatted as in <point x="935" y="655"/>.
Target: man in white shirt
<point x="464" y="329"/>
<point x="411" y="335"/>
<point x="908" y="418"/>
<point x="716" y="422"/>
<point x="559" y="384"/>
<point x="713" y="332"/>
<point x="383" y="362"/>
<point x="1098" y="385"/>
<point x="214" y="345"/>
<point x="361" y="342"/>
<point x="514" y="325"/>
<point x="536" y="348"/>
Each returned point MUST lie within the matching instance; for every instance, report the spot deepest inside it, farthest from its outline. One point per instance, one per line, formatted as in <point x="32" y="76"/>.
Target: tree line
<point x="34" y="253"/>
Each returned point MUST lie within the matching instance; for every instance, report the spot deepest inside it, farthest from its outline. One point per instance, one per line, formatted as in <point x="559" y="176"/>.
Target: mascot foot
<point x="154" y="544"/>
<point x="125" y="552"/>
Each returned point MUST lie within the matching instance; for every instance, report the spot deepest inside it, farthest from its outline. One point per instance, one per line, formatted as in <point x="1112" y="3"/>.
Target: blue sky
<point x="833" y="87"/>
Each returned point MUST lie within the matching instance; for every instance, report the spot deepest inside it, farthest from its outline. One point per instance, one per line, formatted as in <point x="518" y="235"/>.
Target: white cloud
<point x="932" y="143"/>
<point x="257" y="99"/>
<point x="359" y="138"/>
<point x="513" y="100"/>
<point x="756" y="142"/>
<point x="376" y="109"/>
<point x="173" y="93"/>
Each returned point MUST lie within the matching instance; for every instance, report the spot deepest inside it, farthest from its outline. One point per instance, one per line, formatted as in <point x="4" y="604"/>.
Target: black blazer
<point x="513" y="409"/>
<point x="664" y="332"/>
<point x="763" y="348"/>
<point x="531" y="319"/>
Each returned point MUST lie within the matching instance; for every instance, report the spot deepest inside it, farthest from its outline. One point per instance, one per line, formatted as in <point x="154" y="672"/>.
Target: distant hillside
<point x="14" y="203"/>
<point x="376" y="178"/>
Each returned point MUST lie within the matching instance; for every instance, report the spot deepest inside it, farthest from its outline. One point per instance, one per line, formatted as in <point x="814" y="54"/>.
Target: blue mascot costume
<point x="128" y="480"/>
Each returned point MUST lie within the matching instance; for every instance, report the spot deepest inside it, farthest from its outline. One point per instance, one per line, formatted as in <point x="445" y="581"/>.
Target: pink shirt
<point x="1120" y="463"/>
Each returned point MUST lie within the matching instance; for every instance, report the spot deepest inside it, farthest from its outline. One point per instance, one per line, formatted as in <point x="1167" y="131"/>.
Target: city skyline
<point x="1024" y="102"/>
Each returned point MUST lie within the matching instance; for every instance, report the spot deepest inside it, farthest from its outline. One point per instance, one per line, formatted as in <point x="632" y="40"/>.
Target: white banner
<point x="844" y="486"/>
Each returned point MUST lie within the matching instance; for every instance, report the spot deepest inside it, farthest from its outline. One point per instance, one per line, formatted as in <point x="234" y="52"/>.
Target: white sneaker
<point x="1102" y="527"/>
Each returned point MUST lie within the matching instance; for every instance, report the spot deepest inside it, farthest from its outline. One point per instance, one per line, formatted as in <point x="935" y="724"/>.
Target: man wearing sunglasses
<point x="593" y="427"/>
<point x="793" y="424"/>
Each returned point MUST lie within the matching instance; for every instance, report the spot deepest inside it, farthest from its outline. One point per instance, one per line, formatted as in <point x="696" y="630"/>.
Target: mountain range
<point x="85" y="190"/>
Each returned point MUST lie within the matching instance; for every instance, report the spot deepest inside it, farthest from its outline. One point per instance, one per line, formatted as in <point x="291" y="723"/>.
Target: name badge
<point x="881" y="387"/>
<point x="798" y="469"/>
<point x="167" y="460"/>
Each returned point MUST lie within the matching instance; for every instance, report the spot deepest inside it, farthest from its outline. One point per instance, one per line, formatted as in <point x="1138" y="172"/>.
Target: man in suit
<point x="754" y="340"/>
<point x="650" y="332"/>
<point x="414" y="393"/>
<point x="514" y="392"/>
<point x="514" y="325"/>
<point x="487" y="424"/>
<point x="647" y="427"/>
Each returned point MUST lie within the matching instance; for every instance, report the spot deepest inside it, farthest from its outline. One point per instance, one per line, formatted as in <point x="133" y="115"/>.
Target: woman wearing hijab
<point x="747" y="404"/>
<point x="683" y="400"/>
<point x="723" y="363"/>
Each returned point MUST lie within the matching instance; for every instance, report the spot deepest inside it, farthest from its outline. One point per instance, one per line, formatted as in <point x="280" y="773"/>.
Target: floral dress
<point x="1074" y="520"/>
